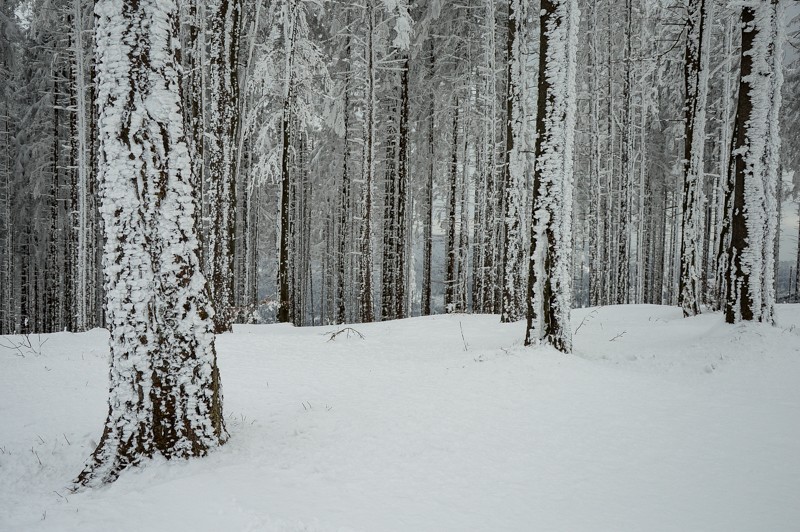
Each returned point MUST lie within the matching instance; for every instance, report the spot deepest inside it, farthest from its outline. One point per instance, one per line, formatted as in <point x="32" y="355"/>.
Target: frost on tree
<point x="512" y="170"/>
<point x="749" y="277"/>
<point x="696" y="86"/>
<point x="549" y="275"/>
<point x="165" y="393"/>
<point x="223" y="108"/>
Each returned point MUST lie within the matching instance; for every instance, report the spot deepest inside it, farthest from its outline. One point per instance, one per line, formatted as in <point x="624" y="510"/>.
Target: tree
<point x="224" y="127"/>
<point x="749" y="287"/>
<point x="549" y="275"/>
<point x="696" y="86"/>
<point x="165" y="395"/>
<point x="512" y="169"/>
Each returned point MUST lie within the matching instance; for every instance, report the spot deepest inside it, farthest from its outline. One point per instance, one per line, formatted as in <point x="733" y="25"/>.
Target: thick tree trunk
<point x="165" y="395"/>
<point x="750" y="291"/>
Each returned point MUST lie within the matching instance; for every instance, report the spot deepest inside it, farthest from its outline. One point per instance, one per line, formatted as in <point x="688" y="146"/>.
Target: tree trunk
<point x="165" y="395"/>
<point x="222" y="142"/>
<point x="366" y="307"/>
<point x="549" y="279"/>
<point x="750" y="291"/>
<point x="428" y="220"/>
<point x="512" y="169"/>
<point x="696" y="90"/>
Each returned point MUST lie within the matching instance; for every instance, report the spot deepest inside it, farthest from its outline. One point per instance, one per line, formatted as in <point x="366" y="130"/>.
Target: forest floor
<point x="436" y="424"/>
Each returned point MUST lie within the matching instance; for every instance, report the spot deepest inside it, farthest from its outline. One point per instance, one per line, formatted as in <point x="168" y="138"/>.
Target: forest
<point x="469" y="238"/>
<point x="375" y="160"/>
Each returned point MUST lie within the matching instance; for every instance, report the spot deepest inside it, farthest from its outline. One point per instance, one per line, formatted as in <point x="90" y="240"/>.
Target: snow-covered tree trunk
<point x="427" y="254"/>
<point x="549" y="277"/>
<point x="344" y="203"/>
<point x="512" y="172"/>
<point x="165" y="395"/>
<point x="625" y="181"/>
<point x="223" y="125"/>
<point x="402" y="211"/>
<point x="366" y="307"/>
<point x="84" y="261"/>
<point x="486" y="215"/>
<point x="6" y="246"/>
<point x="698" y="36"/>
<point x="390" y="202"/>
<point x="285" y="296"/>
<point x="750" y="291"/>
<point x="451" y="253"/>
<point x="595" y="197"/>
<point x="721" y="228"/>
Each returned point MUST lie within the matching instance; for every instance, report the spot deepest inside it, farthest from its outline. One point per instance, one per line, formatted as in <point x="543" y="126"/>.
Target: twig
<point x="620" y="335"/>
<point x="462" y="337"/>
<point x="25" y="345"/>
<point x="586" y="318"/>
<point x="13" y="347"/>
<point x="347" y="330"/>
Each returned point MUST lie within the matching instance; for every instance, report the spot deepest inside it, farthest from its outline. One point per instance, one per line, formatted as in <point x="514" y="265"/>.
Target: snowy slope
<point x="674" y="425"/>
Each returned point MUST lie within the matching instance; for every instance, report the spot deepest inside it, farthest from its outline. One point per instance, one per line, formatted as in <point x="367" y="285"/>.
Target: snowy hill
<point x="436" y="424"/>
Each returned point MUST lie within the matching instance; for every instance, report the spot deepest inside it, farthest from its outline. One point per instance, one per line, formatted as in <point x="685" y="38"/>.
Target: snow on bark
<point x="84" y="261"/>
<point x="750" y="288"/>
<point x="513" y="181"/>
<point x="549" y="276"/>
<point x="366" y="305"/>
<point x="164" y="395"/>
<point x="696" y="86"/>
<point x="223" y="110"/>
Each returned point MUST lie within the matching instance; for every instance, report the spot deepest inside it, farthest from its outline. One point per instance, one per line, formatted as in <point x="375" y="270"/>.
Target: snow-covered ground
<point x="655" y="423"/>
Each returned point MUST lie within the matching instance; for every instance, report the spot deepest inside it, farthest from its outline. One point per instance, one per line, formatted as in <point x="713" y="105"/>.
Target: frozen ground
<point x="676" y="424"/>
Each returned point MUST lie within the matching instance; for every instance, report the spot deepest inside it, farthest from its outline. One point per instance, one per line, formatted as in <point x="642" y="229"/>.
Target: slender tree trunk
<point x="596" y="255"/>
<point x="344" y="201"/>
<point x="512" y="179"/>
<point x="428" y="221"/>
<point x="696" y="90"/>
<point x="285" y="297"/>
<point x="451" y="258"/>
<point x="366" y="307"/>
<point x="401" y="222"/>
<point x="549" y="279"/>
<point x="222" y="142"/>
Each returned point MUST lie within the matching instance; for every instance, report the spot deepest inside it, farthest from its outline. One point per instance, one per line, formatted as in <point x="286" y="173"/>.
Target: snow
<point x="676" y="424"/>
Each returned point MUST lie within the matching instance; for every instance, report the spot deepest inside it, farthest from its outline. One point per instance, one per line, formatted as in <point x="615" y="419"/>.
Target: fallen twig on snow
<point x="347" y="331"/>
